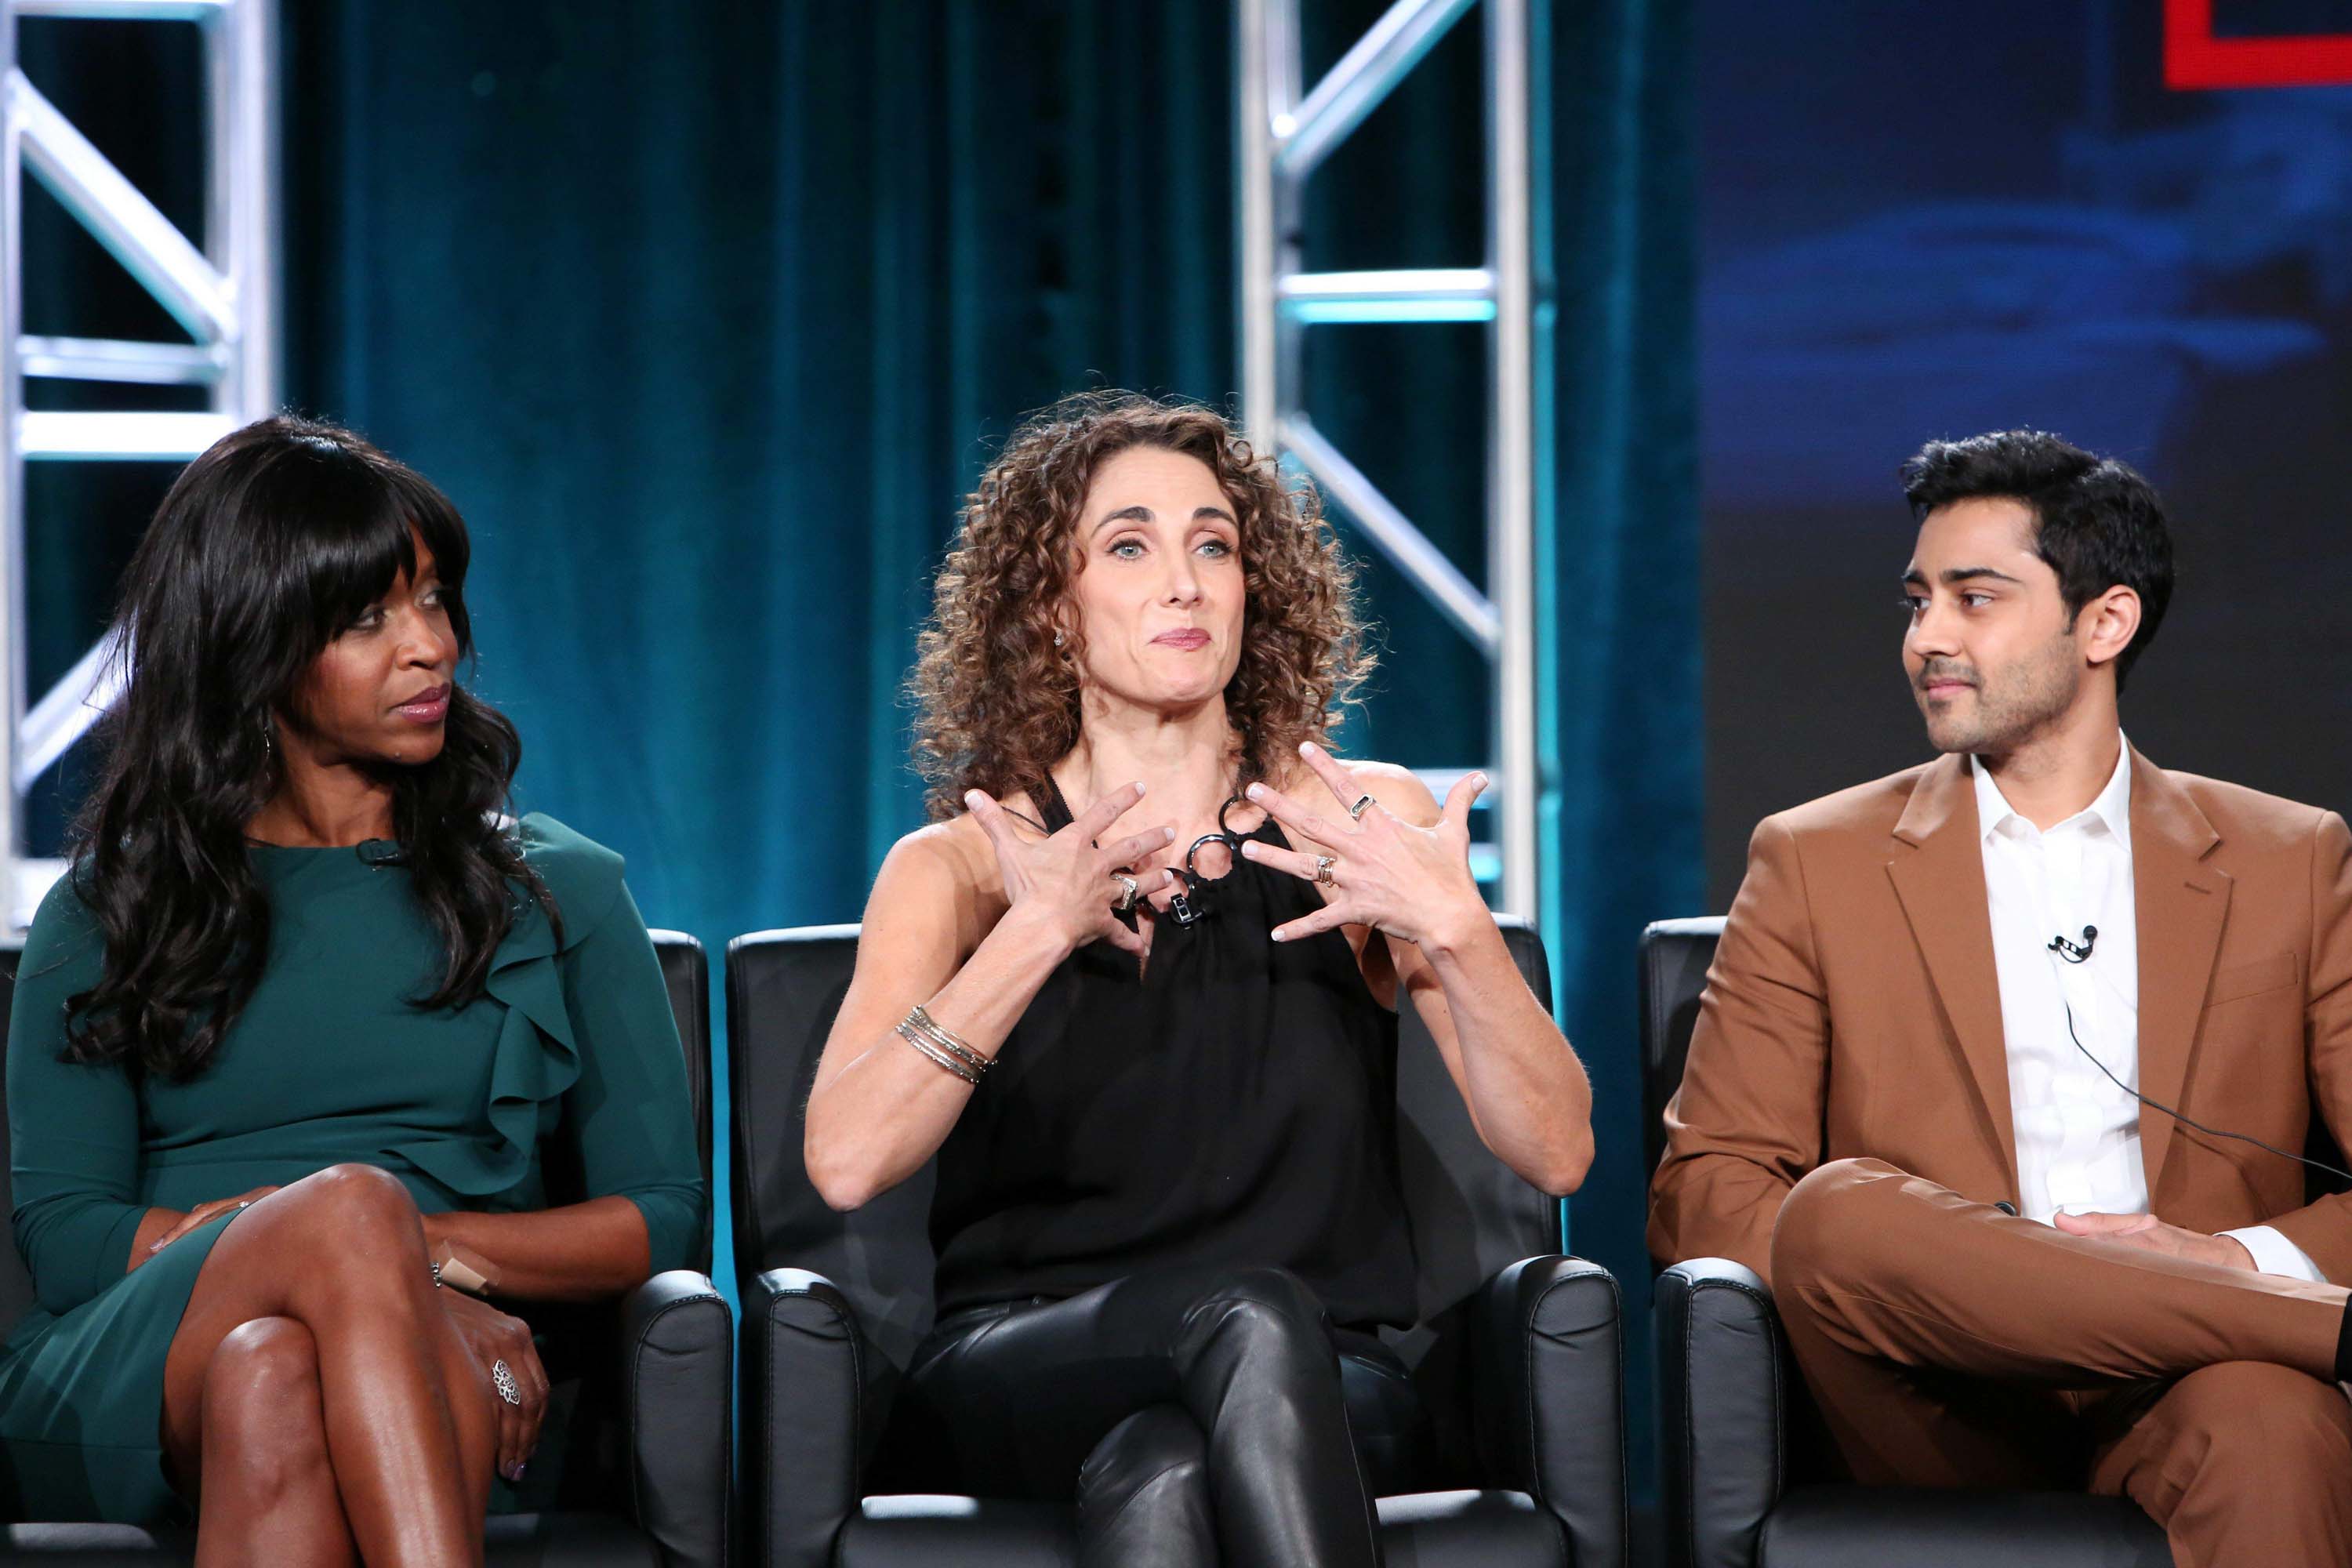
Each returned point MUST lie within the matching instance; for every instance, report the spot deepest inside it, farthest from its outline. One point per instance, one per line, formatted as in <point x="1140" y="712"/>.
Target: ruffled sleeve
<point x="588" y="1045"/>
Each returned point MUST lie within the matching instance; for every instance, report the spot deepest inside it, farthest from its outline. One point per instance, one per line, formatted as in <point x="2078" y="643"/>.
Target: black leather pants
<point x="1196" y="1414"/>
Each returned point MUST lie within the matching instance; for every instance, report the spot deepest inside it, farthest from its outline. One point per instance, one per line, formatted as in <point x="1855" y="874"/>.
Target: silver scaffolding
<point x="1285" y="133"/>
<point x="223" y="295"/>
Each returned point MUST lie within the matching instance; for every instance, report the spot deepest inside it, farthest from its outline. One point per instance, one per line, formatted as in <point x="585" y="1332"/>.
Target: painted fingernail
<point x="1305" y="748"/>
<point x="1168" y="836"/>
<point x="1256" y="791"/>
<point x="1138" y="786"/>
<point x="1249" y="848"/>
<point x="1281" y="935"/>
<point x="971" y="800"/>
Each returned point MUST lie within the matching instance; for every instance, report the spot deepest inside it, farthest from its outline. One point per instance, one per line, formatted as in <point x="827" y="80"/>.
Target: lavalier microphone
<point x="2073" y="952"/>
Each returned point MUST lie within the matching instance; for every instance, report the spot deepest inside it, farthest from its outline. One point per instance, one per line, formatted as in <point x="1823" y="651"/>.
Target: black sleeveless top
<point x="1234" y="1102"/>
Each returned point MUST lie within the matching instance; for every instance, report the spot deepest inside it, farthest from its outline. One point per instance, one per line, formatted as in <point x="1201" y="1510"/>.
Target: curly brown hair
<point x="998" y="703"/>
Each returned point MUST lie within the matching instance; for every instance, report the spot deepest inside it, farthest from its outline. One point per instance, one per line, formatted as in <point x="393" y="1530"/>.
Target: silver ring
<point x="1356" y="812"/>
<point x="1129" y="893"/>
<point x="502" y="1377"/>
<point x="1323" y="877"/>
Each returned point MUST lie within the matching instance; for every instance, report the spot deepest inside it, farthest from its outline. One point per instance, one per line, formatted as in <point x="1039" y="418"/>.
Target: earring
<point x="269" y="738"/>
<point x="1057" y="639"/>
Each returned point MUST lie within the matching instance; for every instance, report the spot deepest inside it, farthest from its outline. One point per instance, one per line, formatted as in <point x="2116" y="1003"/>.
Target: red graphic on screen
<point x="2194" y="58"/>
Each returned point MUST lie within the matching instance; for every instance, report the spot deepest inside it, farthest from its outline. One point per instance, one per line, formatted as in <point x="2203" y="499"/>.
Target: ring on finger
<point x="1129" y="892"/>
<point x="502" y="1378"/>
<point x="1323" y="877"/>
<point x="1356" y="812"/>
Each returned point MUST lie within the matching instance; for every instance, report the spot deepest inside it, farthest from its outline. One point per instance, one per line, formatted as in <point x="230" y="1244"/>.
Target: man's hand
<point x="2145" y="1230"/>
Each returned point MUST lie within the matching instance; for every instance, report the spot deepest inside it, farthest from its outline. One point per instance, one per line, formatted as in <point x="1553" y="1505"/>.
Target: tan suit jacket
<point x="1853" y="1010"/>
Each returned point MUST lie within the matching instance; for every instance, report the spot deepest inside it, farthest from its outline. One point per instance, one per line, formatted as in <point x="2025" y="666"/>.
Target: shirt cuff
<point x="2274" y="1254"/>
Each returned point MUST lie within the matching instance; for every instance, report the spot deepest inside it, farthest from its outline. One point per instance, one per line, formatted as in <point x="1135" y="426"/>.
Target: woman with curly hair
<point x="287" y="1040"/>
<point x="1155" y="1051"/>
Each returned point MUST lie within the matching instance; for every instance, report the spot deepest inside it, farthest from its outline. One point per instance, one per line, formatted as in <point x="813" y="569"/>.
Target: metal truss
<point x="1284" y="134"/>
<point x="224" y="295"/>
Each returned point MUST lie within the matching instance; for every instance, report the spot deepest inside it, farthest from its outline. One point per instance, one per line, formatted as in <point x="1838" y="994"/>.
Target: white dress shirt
<point x="2078" y="1148"/>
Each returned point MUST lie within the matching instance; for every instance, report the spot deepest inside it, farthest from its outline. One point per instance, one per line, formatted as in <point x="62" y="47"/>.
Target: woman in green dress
<point x="288" y="1036"/>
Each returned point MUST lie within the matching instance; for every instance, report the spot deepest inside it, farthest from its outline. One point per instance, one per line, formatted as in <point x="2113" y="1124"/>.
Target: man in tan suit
<point x="1945" y="1087"/>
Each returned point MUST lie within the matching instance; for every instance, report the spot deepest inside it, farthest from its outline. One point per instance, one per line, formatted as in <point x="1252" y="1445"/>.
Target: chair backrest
<point x="1676" y="956"/>
<point x="1674" y="959"/>
<point x="686" y="970"/>
<point x="1471" y="1215"/>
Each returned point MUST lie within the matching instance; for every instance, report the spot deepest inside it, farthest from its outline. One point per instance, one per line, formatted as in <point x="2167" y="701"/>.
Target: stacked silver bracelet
<point x="942" y="1046"/>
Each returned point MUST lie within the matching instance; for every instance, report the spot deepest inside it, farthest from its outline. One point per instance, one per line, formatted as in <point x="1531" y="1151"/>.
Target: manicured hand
<point x="1063" y="879"/>
<point x="494" y="1336"/>
<point x="202" y="1213"/>
<point x="2146" y="1231"/>
<point x="1407" y="881"/>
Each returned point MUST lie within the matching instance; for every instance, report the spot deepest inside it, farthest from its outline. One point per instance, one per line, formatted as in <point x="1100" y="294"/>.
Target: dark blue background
<point x="1932" y="220"/>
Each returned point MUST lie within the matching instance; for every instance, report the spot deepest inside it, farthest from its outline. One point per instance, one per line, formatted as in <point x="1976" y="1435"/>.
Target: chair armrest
<point x="678" y="1377"/>
<point x="815" y="1398"/>
<point x="1547" y="1396"/>
<point x="1722" y="1411"/>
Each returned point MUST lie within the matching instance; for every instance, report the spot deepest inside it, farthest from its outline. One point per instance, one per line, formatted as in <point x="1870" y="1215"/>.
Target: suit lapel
<point x="1940" y="880"/>
<point x="2182" y="905"/>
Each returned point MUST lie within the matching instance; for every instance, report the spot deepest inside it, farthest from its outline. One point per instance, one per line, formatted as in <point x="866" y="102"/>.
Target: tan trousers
<point x="1950" y="1344"/>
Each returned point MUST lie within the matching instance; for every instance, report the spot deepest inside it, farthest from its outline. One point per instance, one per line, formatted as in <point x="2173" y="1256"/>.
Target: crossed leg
<point x="1144" y="1495"/>
<point x="1244" y="1421"/>
<point x="1946" y="1343"/>
<point x="315" y="1397"/>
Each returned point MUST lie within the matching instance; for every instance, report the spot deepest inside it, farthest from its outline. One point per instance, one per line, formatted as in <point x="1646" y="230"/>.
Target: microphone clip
<point x="2073" y="952"/>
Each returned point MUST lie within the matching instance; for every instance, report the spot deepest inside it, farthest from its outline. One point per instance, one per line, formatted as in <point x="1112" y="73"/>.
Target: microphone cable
<point x="2185" y="1122"/>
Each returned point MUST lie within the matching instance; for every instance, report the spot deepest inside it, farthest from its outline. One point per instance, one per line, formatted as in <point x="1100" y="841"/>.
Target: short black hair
<point x="2096" y="521"/>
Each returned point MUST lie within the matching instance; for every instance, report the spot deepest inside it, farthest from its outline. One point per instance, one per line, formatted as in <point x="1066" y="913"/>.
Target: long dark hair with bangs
<point x="268" y="547"/>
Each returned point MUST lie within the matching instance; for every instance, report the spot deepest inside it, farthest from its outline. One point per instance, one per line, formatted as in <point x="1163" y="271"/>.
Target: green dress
<point x="330" y="1062"/>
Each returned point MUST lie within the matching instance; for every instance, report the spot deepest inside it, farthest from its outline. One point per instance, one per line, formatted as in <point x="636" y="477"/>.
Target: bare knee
<point x="360" y="1244"/>
<point x="262" y="1417"/>
<point x="354" y="1217"/>
<point x="354" y="1198"/>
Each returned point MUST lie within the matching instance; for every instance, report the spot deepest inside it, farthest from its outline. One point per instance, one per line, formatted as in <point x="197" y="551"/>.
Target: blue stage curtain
<point x="1624" y="724"/>
<point x="707" y="315"/>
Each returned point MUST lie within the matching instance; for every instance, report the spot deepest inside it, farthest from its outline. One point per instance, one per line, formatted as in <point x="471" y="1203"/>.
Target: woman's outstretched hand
<point x="1064" y="881"/>
<point x="493" y="1336"/>
<point x="1409" y="882"/>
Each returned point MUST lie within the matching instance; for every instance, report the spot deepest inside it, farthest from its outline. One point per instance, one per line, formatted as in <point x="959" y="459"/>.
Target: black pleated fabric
<point x="1231" y="1102"/>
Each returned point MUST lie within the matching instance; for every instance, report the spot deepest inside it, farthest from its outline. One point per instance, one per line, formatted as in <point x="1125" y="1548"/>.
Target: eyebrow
<point x="1958" y="574"/>
<point x="1139" y="513"/>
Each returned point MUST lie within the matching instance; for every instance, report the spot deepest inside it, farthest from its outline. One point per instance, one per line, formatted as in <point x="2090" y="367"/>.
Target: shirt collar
<point x="2111" y="810"/>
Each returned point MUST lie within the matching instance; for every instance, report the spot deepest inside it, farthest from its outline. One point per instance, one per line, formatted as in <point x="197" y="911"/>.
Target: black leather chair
<point x="1743" y="1456"/>
<point x="642" y="1395"/>
<point x="1518" y="1345"/>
